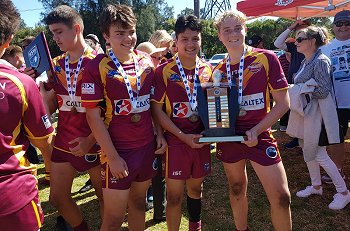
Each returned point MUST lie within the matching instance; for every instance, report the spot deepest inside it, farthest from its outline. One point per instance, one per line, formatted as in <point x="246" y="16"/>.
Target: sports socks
<point x="194" y="207"/>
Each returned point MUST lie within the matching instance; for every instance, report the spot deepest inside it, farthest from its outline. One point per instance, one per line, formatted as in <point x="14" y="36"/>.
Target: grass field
<point x="308" y="214"/>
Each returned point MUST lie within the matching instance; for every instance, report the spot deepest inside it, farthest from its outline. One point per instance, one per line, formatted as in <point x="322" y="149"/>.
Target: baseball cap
<point x="149" y="48"/>
<point x="93" y="37"/>
<point x="254" y="40"/>
<point x="342" y="15"/>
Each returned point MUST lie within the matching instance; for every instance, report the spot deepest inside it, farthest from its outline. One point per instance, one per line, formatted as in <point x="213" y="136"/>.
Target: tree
<point x="151" y="14"/>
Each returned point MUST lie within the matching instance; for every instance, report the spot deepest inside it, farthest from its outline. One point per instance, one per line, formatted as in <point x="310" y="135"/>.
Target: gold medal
<point x="242" y="112"/>
<point x="135" y="118"/>
<point x="193" y="118"/>
<point x="74" y="110"/>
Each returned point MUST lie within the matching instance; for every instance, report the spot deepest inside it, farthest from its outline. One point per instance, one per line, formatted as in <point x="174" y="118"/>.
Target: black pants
<point x="284" y="119"/>
<point x="159" y="191"/>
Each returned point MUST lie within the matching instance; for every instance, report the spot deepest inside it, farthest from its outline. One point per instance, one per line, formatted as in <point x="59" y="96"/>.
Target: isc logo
<point x="177" y="173"/>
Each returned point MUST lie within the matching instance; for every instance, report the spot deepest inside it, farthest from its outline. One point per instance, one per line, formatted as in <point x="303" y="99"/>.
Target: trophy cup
<point x="218" y="108"/>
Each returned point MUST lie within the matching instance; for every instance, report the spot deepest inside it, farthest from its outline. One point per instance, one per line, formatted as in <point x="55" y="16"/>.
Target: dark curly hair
<point x="187" y="22"/>
<point x="9" y="20"/>
<point x="120" y="15"/>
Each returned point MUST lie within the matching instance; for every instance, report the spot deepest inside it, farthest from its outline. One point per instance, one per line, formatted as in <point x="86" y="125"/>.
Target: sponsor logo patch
<point x="34" y="57"/>
<point x="175" y="78"/>
<point x="90" y="158"/>
<point x="88" y="88"/>
<point x="180" y="110"/>
<point x="46" y="121"/>
<point x="271" y="152"/>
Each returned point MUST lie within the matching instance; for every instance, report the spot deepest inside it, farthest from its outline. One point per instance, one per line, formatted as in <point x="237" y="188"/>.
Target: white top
<point x="339" y="54"/>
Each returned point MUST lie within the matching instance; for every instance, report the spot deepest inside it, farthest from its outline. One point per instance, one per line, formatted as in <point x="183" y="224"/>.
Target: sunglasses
<point x="300" y="39"/>
<point x="342" y="23"/>
<point x="156" y="58"/>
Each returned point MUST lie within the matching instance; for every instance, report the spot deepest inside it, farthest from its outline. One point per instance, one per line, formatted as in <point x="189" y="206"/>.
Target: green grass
<point x="308" y="214"/>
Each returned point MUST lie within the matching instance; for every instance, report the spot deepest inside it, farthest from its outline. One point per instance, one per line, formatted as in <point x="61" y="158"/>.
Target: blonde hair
<point x="235" y="14"/>
<point x="159" y="37"/>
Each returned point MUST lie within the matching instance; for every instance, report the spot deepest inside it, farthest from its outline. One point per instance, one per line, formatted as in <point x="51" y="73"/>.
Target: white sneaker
<point x="339" y="201"/>
<point x="308" y="191"/>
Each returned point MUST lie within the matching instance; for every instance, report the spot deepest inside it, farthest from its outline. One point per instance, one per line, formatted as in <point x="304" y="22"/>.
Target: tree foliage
<point x="154" y="15"/>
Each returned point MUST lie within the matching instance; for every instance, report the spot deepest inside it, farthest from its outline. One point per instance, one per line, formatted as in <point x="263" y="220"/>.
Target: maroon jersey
<point x="70" y="125"/>
<point x="103" y="83"/>
<point x="22" y="116"/>
<point x="170" y="90"/>
<point x="262" y="74"/>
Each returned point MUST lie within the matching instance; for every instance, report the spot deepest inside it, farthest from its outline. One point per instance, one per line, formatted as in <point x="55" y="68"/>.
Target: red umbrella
<point x="292" y="9"/>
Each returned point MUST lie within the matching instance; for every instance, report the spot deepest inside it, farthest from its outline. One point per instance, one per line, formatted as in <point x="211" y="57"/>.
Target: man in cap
<point x="339" y="49"/>
<point x="256" y="41"/>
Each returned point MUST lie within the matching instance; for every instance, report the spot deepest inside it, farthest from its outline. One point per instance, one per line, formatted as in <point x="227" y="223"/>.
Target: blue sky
<point x="30" y="9"/>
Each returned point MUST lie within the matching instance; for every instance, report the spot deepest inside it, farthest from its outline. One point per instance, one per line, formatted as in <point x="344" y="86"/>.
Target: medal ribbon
<point x="72" y="88"/>
<point x="126" y="79"/>
<point x="240" y="75"/>
<point x="192" y="98"/>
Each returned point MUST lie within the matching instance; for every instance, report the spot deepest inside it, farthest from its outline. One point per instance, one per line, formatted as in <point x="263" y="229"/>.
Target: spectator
<point x="14" y="55"/>
<point x="155" y="53"/>
<point x="282" y="42"/>
<point x="161" y="38"/>
<point x="314" y="77"/>
<point x="94" y="43"/>
<point x="339" y="49"/>
<point x="256" y="41"/>
<point x="26" y="41"/>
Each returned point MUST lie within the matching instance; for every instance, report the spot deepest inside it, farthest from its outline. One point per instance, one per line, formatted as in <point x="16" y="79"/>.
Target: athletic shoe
<point x="339" y="201"/>
<point x="292" y="144"/>
<point x="326" y="179"/>
<point x="308" y="191"/>
<point x="283" y="128"/>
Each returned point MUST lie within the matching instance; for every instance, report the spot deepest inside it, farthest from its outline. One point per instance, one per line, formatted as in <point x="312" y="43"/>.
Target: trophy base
<point x="222" y="139"/>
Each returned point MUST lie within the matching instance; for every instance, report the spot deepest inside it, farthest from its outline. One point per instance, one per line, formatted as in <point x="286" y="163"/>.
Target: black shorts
<point x="344" y="118"/>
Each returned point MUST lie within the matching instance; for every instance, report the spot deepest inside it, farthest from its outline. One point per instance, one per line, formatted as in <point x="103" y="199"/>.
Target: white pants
<point x="322" y="159"/>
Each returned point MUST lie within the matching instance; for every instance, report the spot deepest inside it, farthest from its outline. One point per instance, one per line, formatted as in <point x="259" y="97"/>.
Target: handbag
<point x="323" y="140"/>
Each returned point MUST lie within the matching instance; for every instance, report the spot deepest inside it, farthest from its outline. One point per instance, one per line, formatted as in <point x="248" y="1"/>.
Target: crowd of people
<point x="129" y="118"/>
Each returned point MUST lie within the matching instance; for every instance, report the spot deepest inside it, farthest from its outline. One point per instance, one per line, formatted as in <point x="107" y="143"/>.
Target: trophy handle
<point x="202" y="106"/>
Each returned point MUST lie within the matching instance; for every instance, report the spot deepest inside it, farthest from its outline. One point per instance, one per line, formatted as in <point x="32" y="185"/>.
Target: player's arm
<point x="161" y="142"/>
<point x="167" y="124"/>
<point x="117" y="165"/>
<point x="281" y="106"/>
<point x="43" y="144"/>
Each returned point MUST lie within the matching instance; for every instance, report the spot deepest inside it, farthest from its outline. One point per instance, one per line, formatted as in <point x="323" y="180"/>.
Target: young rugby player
<point x="187" y="162"/>
<point x="122" y="79"/>
<point x="23" y="120"/>
<point x="256" y="73"/>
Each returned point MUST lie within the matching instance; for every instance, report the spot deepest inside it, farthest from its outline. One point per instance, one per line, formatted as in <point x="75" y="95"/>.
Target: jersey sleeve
<point x="277" y="79"/>
<point x="35" y="120"/>
<point x="159" y="86"/>
<point x="92" y="86"/>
